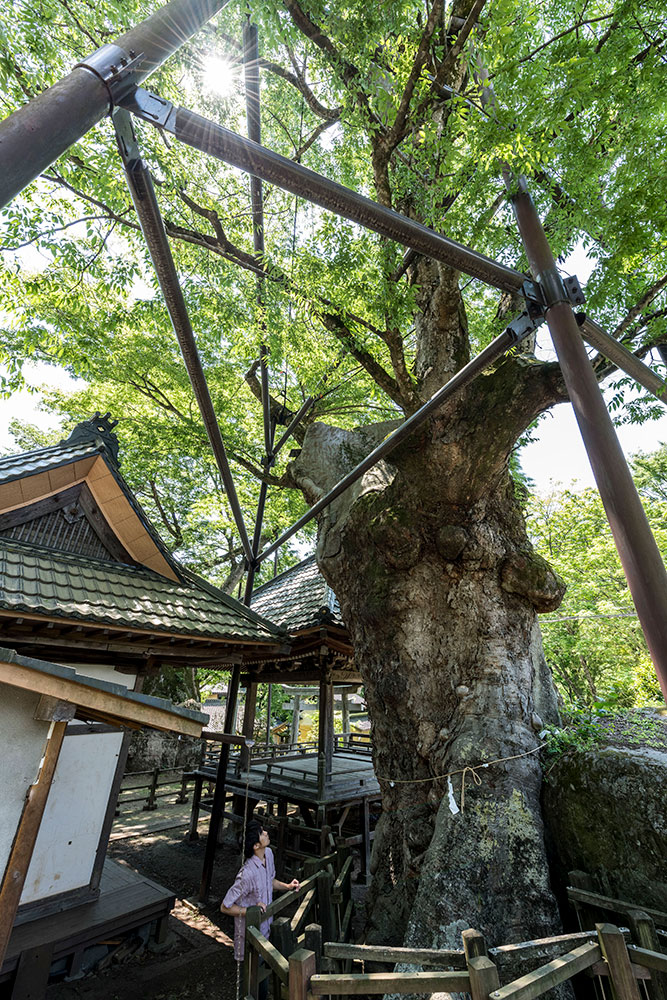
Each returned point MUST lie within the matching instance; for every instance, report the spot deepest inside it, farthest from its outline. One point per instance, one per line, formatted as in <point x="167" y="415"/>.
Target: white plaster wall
<point x="70" y="831"/>
<point x="22" y="743"/>
<point x="103" y="672"/>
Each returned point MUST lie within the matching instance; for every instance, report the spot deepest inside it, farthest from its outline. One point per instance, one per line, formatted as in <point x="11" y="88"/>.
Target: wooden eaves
<point x="97" y="699"/>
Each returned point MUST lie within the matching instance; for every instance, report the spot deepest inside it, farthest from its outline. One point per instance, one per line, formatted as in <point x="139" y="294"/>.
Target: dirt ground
<point x="197" y="960"/>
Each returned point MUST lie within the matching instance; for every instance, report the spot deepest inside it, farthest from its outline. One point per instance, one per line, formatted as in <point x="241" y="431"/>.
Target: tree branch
<point x="445" y="68"/>
<point x="382" y="378"/>
<point x="296" y="79"/>
<point x="398" y="128"/>
<point x="349" y="72"/>
<point x="646" y="299"/>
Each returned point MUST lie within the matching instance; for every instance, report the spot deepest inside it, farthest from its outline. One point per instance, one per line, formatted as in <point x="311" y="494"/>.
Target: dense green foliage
<point x="594" y="642"/>
<point x="580" y="107"/>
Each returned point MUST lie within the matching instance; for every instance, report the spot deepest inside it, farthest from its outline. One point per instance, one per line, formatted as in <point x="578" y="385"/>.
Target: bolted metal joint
<point x="552" y="287"/>
<point x="116" y="68"/>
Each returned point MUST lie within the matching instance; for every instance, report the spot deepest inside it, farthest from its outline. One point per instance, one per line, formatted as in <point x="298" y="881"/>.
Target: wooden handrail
<point x="534" y="984"/>
<point x="649" y="959"/>
<point x="278" y="905"/>
<point x="377" y="953"/>
<point x="593" y="899"/>
<point x="389" y="982"/>
<point x="269" y="953"/>
<point x="299" y="917"/>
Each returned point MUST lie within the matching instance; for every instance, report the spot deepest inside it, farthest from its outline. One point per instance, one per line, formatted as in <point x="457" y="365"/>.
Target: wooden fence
<point x="149" y="786"/>
<point x="315" y="959"/>
<point x="323" y="912"/>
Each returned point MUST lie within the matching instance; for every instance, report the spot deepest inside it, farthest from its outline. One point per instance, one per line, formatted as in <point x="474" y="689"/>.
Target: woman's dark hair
<point x="252" y="834"/>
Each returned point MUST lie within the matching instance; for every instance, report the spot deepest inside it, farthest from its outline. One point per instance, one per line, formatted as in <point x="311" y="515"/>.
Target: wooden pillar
<point x="58" y="713"/>
<point x="218" y="805"/>
<point x="248" y="721"/>
<point x="296" y="718"/>
<point x="622" y="979"/>
<point x="268" y="714"/>
<point x="346" y="718"/>
<point x="642" y="930"/>
<point x="301" y="968"/>
<point x="364" y="815"/>
<point x="325" y="734"/>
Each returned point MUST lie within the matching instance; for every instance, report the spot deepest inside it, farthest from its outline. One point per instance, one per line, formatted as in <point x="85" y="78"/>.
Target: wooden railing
<point x="149" y="786"/>
<point x="304" y="967"/>
<point x="322" y="911"/>
<point x="607" y="956"/>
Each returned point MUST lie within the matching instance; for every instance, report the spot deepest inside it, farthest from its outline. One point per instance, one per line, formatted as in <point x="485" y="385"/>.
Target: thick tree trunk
<point x="439" y="588"/>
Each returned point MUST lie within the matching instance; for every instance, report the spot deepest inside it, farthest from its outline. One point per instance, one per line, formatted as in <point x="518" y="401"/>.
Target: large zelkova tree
<point x="428" y="554"/>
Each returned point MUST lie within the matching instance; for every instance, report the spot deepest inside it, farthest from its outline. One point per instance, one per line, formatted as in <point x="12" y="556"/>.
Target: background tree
<point x="594" y="643"/>
<point x="428" y="553"/>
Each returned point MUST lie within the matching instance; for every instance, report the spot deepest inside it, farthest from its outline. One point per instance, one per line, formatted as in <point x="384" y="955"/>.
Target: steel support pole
<point x="218" y="805"/>
<point x="639" y="554"/>
<point x="462" y="378"/>
<point x="217" y="141"/>
<point x="254" y="121"/>
<point x="38" y="133"/>
<point x="148" y="211"/>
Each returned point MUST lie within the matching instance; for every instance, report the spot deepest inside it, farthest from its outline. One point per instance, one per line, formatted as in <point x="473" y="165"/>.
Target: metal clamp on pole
<point x="116" y="68"/>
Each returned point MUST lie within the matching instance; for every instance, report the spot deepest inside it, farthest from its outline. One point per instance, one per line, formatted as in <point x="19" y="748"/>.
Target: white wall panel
<point x="22" y="743"/>
<point x="70" y="831"/>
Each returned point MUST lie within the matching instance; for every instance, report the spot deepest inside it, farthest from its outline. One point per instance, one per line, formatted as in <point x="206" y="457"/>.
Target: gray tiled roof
<point x="30" y="462"/>
<point x="86" y="445"/>
<point x="298" y="598"/>
<point x="63" y="585"/>
<point x="67" y="673"/>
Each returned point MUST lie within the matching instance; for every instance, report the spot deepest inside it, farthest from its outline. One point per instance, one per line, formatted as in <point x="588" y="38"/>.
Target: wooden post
<point x="586" y="917"/>
<point x="325" y="736"/>
<point x="614" y="949"/>
<point x="296" y="719"/>
<point x="249" y="713"/>
<point x="474" y="944"/>
<point x="643" y="934"/>
<point x="183" y="792"/>
<point x="151" y="803"/>
<point x="253" y="918"/>
<point x="364" y="815"/>
<point x="283" y="936"/>
<point x="483" y="976"/>
<point x="282" y="833"/>
<point x="325" y="905"/>
<point x="313" y="942"/>
<point x="26" y="834"/>
<point x="194" y="812"/>
<point x="301" y="968"/>
<point x="346" y="719"/>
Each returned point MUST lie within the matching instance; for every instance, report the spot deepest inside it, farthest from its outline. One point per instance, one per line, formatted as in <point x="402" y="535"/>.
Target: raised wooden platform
<point x="350" y="779"/>
<point x="126" y="900"/>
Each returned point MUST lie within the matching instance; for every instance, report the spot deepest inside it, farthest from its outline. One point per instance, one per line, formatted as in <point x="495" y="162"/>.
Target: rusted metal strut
<point x="637" y="548"/>
<point x="36" y="134"/>
<point x="215" y="140"/>
<point x="148" y="212"/>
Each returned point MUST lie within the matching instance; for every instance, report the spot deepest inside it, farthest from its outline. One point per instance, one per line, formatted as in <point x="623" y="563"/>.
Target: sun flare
<point x="219" y="76"/>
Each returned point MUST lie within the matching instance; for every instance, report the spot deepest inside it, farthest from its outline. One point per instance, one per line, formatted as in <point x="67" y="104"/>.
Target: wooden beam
<point x="251" y="645"/>
<point x="106" y="704"/>
<point x="534" y="984"/>
<point x="389" y="982"/>
<point x="26" y="835"/>
<point x="210" y="653"/>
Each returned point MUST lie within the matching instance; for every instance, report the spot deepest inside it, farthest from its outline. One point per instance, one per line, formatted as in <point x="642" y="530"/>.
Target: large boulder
<point x="605" y="814"/>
